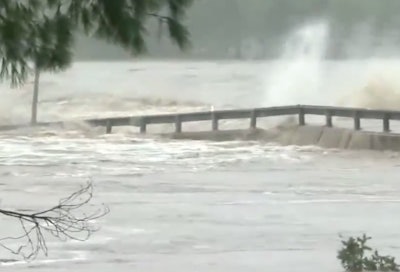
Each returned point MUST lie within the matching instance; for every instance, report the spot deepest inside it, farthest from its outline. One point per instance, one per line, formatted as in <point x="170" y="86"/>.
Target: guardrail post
<point x="253" y="119"/>
<point x="302" y="120"/>
<point x="143" y="125"/>
<point x="108" y="126"/>
<point x="214" y="118"/>
<point x="386" y="122"/>
<point x="357" y="122"/>
<point x="178" y="124"/>
<point x="328" y="115"/>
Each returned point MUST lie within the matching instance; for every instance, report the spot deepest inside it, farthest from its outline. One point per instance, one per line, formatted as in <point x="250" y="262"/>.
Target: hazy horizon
<point x="257" y="29"/>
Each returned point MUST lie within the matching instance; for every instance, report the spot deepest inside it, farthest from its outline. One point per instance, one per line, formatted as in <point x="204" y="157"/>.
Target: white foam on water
<point x="86" y="91"/>
<point x="303" y="75"/>
<point x="119" y="154"/>
<point x="343" y="201"/>
<point x="377" y="86"/>
<point x="296" y="78"/>
<point x="41" y="262"/>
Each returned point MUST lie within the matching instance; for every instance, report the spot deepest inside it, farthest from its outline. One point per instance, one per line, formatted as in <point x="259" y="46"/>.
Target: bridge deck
<point x="252" y="114"/>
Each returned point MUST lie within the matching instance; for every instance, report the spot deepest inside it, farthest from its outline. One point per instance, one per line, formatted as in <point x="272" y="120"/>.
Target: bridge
<point x="356" y="114"/>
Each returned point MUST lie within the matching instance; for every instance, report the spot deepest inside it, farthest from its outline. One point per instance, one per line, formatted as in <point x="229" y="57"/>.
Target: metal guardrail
<point x="357" y="114"/>
<point x="252" y="114"/>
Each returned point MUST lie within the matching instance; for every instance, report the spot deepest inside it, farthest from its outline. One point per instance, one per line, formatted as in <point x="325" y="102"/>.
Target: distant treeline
<point x="256" y="29"/>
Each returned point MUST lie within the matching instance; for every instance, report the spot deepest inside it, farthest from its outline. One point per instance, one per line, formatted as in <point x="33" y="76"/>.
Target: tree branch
<point x="160" y="17"/>
<point x="64" y="221"/>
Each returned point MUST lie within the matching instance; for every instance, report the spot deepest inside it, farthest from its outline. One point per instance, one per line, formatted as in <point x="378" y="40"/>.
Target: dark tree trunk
<point x="35" y="97"/>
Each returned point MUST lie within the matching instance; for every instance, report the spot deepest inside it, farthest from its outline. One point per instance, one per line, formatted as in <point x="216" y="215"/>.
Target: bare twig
<point x="65" y="221"/>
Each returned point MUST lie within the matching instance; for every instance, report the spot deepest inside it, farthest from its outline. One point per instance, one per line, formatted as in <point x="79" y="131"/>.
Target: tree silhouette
<point x="68" y="220"/>
<point x="39" y="35"/>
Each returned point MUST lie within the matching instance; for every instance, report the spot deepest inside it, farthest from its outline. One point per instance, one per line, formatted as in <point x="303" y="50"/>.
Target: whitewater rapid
<point x="215" y="206"/>
<point x="182" y="205"/>
<point x="131" y="88"/>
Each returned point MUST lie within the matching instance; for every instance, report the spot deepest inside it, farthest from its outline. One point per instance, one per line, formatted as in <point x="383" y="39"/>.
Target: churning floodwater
<point x="199" y="205"/>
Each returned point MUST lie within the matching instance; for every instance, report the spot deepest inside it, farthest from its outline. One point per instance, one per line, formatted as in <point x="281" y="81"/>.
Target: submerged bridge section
<point x="357" y="114"/>
<point x="253" y="115"/>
